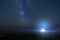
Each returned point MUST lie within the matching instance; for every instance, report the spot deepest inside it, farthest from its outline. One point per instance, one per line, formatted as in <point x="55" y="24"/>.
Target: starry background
<point x="9" y="10"/>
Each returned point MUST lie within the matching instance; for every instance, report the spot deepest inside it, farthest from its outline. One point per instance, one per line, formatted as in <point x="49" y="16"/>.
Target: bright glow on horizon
<point x="42" y="30"/>
<point x="45" y="28"/>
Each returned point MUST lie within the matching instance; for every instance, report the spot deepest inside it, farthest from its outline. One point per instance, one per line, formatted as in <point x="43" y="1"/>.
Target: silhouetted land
<point x="11" y="33"/>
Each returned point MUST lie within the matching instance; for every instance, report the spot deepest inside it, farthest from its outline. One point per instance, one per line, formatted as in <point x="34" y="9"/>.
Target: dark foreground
<point x="9" y="34"/>
<point x="25" y="36"/>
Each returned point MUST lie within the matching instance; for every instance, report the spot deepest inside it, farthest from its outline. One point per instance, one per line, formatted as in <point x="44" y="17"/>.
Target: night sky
<point x="47" y="8"/>
<point x="9" y="12"/>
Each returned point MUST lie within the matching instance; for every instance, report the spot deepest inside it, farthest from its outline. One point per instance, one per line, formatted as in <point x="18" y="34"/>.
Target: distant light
<point x="42" y="30"/>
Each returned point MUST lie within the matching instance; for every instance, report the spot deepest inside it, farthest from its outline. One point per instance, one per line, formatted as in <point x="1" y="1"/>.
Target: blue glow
<point x="44" y="28"/>
<point x="43" y="24"/>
